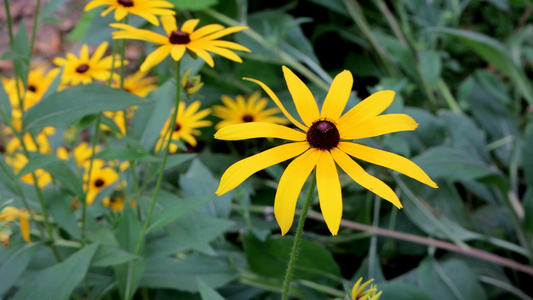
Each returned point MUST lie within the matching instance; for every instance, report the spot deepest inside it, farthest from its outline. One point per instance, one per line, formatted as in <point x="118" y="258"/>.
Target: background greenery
<point x="461" y="69"/>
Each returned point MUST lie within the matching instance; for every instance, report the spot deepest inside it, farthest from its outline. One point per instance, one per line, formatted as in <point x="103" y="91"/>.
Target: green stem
<point x="298" y="238"/>
<point x="393" y="24"/>
<point x="35" y="23"/>
<point x="452" y="103"/>
<point x="9" y="23"/>
<point x="131" y="275"/>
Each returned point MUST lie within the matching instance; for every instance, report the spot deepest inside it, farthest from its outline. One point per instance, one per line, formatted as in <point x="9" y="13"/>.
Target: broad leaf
<point x="13" y="261"/>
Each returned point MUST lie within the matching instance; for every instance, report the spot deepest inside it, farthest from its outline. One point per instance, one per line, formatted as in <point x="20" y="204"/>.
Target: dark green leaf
<point x="21" y="45"/>
<point x="402" y="291"/>
<point x="13" y="261"/>
<point x="430" y="66"/>
<point x="65" y="176"/>
<point x="126" y="154"/>
<point x="63" y="108"/>
<point x="193" y="4"/>
<point x="62" y="213"/>
<point x="7" y="177"/>
<point x="38" y="161"/>
<point x="207" y="292"/>
<point x="110" y="256"/>
<point x="58" y="281"/>
<point x="5" y="106"/>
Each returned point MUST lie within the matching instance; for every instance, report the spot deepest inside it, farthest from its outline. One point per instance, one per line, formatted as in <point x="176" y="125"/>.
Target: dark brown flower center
<point x="99" y="182"/>
<point x="179" y="37"/>
<point x="82" y="68"/>
<point x="177" y="127"/>
<point x="32" y="88"/>
<point x="248" y="118"/>
<point x="323" y="135"/>
<point x="126" y="3"/>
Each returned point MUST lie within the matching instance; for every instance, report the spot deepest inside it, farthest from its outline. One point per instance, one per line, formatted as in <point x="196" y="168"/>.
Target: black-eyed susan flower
<point x="191" y="84"/>
<point x="9" y="214"/>
<point x="39" y="143"/>
<point x="323" y="141"/>
<point x="101" y="177"/>
<point x="188" y="119"/>
<point x="81" y="153"/>
<point x="359" y="293"/>
<point x="117" y="203"/>
<point x="17" y="161"/>
<point x="139" y="84"/>
<point x="39" y="79"/>
<point x="85" y="69"/>
<point x="200" y="41"/>
<point x="243" y="110"/>
<point x="146" y="9"/>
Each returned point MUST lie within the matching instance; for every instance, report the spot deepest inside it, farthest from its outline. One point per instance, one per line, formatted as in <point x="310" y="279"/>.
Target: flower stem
<point x="298" y="238"/>
<point x="9" y="23"/>
<point x="131" y="274"/>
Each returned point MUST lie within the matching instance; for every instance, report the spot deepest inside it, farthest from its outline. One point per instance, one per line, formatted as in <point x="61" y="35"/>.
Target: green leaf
<point x="449" y="280"/>
<point x="207" y="292"/>
<point x="492" y="84"/>
<point x="176" y="210"/>
<point x="7" y="177"/>
<point x="65" y="176"/>
<point x="63" y="108"/>
<point x="110" y="256"/>
<point x="527" y="154"/>
<point x="193" y="4"/>
<point x="182" y="274"/>
<point x="495" y="53"/>
<point x="5" y="106"/>
<point x="21" y="45"/>
<point x="402" y="291"/>
<point x="126" y="154"/>
<point x="38" y="161"/>
<point x="13" y="261"/>
<point x="430" y="66"/>
<point x="270" y="258"/>
<point x="61" y="211"/>
<point x="58" y="281"/>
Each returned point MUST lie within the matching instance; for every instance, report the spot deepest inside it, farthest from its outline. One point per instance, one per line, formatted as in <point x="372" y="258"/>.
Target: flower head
<point x="323" y="141"/>
<point x="17" y="161"/>
<point x="359" y="293"/>
<point x="243" y="111"/>
<point x="139" y="84"/>
<point x="101" y="177"/>
<point x="176" y="41"/>
<point x="188" y="120"/>
<point x="191" y="84"/>
<point x="85" y="69"/>
<point x="82" y="153"/>
<point x="9" y="214"/>
<point x="146" y="9"/>
<point x="117" y="203"/>
<point x="38" y="82"/>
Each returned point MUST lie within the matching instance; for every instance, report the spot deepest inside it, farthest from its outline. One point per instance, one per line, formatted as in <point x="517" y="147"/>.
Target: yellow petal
<point x="329" y="191"/>
<point x="387" y="159"/>
<point x="224" y="32"/>
<point x="290" y="185"/>
<point x="169" y="24"/>
<point x="130" y="32"/>
<point x="203" y="31"/>
<point x="378" y="126"/>
<point x="278" y="103"/>
<point x="177" y="52"/>
<point x="84" y="53"/>
<point x="338" y="95"/>
<point x="120" y="13"/>
<point x="239" y="171"/>
<point x="203" y="54"/>
<point x="229" y="45"/>
<point x="366" y="180"/>
<point x="155" y="57"/>
<point x="96" y="3"/>
<point x="372" y="106"/>
<point x="98" y="53"/>
<point x="258" y="129"/>
<point x="189" y="25"/>
<point x="223" y="52"/>
<point x="24" y="228"/>
<point x="303" y="99"/>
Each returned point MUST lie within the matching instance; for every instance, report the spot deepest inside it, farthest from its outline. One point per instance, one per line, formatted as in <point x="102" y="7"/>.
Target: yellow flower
<point x="82" y="153"/>
<point x="101" y="177"/>
<point x="118" y="118"/>
<point x="243" y="111"/>
<point x="324" y="141"/>
<point x="38" y="82"/>
<point x="17" y="161"/>
<point x="85" y="69"/>
<point x="146" y="9"/>
<point x="42" y="146"/>
<point x="138" y="84"/>
<point x="358" y="292"/>
<point x="176" y="41"/>
<point x="187" y="120"/>
<point x="9" y="214"/>
<point x="117" y="203"/>
<point x="192" y="84"/>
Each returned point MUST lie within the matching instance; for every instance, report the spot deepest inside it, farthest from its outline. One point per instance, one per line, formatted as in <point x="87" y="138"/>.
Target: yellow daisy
<point x="82" y="153"/>
<point x="198" y="41"/>
<point x="146" y="9"/>
<point x="102" y="176"/>
<point x="139" y="84"/>
<point x="117" y="204"/>
<point x="187" y="120"/>
<point x="39" y="144"/>
<point x="241" y="110"/>
<point x="324" y="140"/>
<point x="17" y="161"/>
<point x="359" y="293"/>
<point x="85" y="69"/>
<point x="9" y="214"/>
<point x="38" y="82"/>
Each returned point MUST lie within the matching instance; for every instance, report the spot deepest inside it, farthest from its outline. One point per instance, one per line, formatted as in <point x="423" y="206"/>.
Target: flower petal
<point x="203" y="55"/>
<point x="290" y="185"/>
<point x="258" y="130"/>
<point x="372" y="106"/>
<point x="278" y="103"/>
<point x="169" y="24"/>
<point x="177" y="52"/>
<point x="189" y="25"/>
<point x="378" y="126"/>
<point x="205" y="30"/>
<point x="387" y="159"/>
<point x="155" y="57"/>
<point x="24" y="228"/>
<point x="303" y="98"/>
<point x="329" y="191"/>
<point x="241" y="170"/>
<point x="359" y="175"/>
<point x="338" y="95"/>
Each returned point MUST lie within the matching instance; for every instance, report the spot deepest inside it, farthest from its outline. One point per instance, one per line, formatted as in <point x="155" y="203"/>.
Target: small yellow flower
<point x="187" y="120"/>
<point x="38" y="82"/>
<point x="85" y="69"/>
<point x="323" y="141"/>
<point x="240" y="111"/>
<point x="42" y="145"/>
<point x="192" y="84"/>
<point x="82" y="153"/>
<point x="17" y="161"/>
<point x="359" y="293"/>
<point x="118" y="118"/>
<point x="9" y="214"/>
<point x="117" y="204"/>
<point x="101" y="177"/>
<point x="146" y="9"/>
<point x="139" y="84"/>
<point x="176" y="41"/>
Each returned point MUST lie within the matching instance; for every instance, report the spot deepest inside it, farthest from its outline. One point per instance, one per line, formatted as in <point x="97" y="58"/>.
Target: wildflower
<point x="38" y="82"/>
<point x="138" y="84"/>
<point x="191" y="84"/>
<point x="187" y="120"/>
<point x="146" y="9"/>
<point x="101" y="177"/>
<point x="117" y="203"/>
<point x="198" y="41"/>
<point x="81" y="153"/>
<point x="9" y="214"/>
<point x="17" y="161"/>
<point x="83" y="70"/>
<point x="38" y="144"/>
<point x="118" y="118"/>
<point x="358" y="292"/>
<point x="243" y="111"/>
<point x="324" y="142"/>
